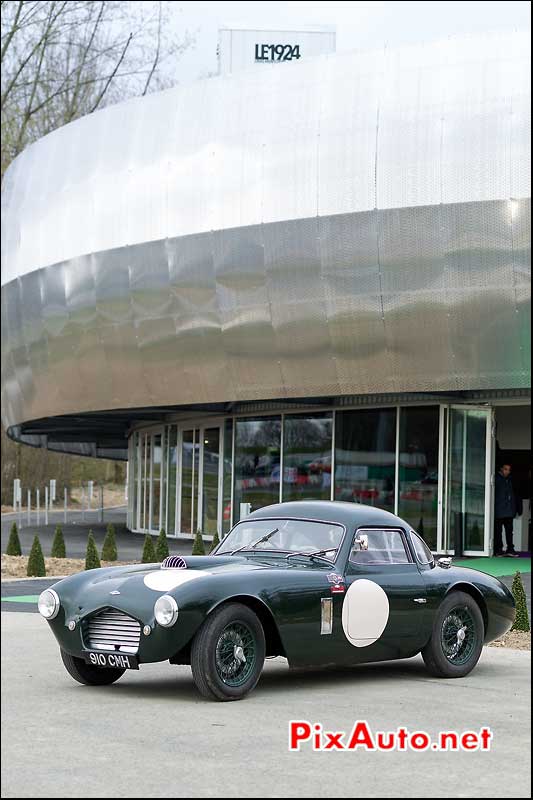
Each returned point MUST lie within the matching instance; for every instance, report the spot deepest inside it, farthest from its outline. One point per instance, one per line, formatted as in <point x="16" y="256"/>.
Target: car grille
<point x="112" y="630"/>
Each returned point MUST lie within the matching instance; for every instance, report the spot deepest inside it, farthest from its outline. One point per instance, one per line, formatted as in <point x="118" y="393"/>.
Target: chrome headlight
<point x="166" y="611"/>
<point x="48" y="604"/>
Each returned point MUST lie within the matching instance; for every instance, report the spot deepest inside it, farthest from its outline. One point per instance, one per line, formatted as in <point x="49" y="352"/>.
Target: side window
<point x="422" y="551"/>
<point x="373" y="546"/>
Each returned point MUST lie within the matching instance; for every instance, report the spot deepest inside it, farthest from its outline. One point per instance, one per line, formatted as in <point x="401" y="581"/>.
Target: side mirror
<point x="444" y="563"/>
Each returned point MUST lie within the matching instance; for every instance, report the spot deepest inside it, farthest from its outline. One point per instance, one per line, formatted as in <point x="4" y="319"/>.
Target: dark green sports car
<point x="319" y="583"/>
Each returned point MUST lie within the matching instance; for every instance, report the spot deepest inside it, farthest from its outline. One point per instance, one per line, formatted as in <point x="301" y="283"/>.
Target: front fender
<point x="495" y="599"/>
<point x="83" y="594"/>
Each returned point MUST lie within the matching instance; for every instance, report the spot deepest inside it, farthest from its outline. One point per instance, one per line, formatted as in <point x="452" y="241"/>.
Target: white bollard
<point x="65" y="505"/>
<point x="82" y="504"/>
<point x="52" y="492"/>
<point x="17" y="493"/>
<point x="38" y="505"/>
<point x="46" y="505"/>
<point x="29" y="506"/>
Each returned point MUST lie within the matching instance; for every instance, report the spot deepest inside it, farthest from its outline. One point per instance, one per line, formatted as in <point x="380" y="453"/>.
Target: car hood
<point x="127" y="587"/>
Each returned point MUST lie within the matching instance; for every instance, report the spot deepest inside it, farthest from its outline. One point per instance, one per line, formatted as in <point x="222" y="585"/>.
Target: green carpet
<point x="21" y="598"/>
<point x="496" y="566"/>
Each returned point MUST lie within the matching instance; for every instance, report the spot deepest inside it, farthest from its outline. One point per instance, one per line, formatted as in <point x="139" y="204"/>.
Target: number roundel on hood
<point x="174" y="562"/>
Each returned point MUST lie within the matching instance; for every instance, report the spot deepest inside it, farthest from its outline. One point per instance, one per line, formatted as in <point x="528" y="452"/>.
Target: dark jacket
<point x="506" y="504"/>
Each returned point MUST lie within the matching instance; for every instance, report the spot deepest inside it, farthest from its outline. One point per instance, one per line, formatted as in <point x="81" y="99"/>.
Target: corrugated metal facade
<point x="357" y="223"/>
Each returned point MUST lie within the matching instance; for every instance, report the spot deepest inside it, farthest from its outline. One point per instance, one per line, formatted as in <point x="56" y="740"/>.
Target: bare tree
<point x="61" y="59"/>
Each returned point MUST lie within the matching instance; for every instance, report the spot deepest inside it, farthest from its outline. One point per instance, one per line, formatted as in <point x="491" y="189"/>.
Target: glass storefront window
<point x="419" y="471"/>
<point x="257" y="462"/>
<point x="307" y="457"/>
<point x="172" y="472"/>
<point x="171" y="467"/>
<point x="156" y="482"/>
<point x="146" y="472"/>
<point x="365" y="456"/>
<point x="188" y="479"/>
<point x="210" y="474"/>
<point x="226" y="476"/>
<point x="134" y="473"/>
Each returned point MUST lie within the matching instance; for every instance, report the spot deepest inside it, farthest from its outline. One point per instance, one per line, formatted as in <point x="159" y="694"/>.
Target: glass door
<point x="200" y="480"/>
<point x="188" y="479"/>
<point x="156" y="483"/>
<point x="208" y="500"/>
<point x="468" y="481"/>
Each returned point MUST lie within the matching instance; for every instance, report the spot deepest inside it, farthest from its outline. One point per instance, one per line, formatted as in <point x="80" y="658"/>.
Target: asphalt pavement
<point x="152" y="735"/>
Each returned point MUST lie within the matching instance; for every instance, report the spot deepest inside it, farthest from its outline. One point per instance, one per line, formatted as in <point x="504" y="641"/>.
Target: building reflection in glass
<point x="257" y="462"/>
<point x="419" y="470"/>
<point x="307" y="457"/>
<point x="365" y="449"/>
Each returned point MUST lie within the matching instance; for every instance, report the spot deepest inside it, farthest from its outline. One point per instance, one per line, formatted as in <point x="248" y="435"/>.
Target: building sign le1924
<point x="277" y="52"/>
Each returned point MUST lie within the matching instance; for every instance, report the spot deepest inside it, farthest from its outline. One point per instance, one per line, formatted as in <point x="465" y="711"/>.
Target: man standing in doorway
<point x="506" y="507"/>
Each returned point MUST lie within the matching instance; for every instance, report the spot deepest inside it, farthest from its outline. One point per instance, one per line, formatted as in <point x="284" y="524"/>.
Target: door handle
<point x="419" y="600"/>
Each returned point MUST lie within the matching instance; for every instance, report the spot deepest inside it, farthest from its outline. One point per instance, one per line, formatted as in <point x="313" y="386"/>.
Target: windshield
<point x="286" y="536"/>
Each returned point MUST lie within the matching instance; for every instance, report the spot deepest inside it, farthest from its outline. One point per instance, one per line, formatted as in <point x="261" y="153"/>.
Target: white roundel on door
<point x="365" y="612"/>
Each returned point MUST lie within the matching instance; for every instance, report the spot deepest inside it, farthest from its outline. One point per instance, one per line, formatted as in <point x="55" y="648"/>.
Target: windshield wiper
<point x="318" y="554"/>
<point x="264" y="538"/>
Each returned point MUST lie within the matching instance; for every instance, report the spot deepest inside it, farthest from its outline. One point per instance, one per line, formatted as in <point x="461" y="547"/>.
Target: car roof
<point x="349" y="514"/>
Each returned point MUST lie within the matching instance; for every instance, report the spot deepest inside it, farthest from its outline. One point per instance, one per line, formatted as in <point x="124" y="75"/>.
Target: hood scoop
<point x="174" y="562"/>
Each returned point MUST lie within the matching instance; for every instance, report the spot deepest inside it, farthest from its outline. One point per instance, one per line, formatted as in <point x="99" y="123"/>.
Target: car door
<point x="382" y="612"/>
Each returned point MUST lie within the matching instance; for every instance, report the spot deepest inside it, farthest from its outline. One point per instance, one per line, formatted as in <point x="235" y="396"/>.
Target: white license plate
<point x="111" y="660"/>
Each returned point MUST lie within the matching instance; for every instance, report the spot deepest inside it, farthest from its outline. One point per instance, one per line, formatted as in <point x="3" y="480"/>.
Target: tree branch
<point x="108" y="82"/>
<point x="158" y="50"/>
<point x="14" y="29"/>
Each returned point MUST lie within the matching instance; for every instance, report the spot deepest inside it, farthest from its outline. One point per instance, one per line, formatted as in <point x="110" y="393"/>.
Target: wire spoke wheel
<point x="235" y="654"/>
<point x="458" y="636"/>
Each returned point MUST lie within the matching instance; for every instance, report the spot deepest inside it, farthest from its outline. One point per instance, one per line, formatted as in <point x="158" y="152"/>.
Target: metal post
<point x="65" y="505"/>
<point x="46" y="505"/>
<point x="38" y="505"/>
<point x="29" y="506"/>
<point x="82" y="504"/>
<point x="101" y="502"/>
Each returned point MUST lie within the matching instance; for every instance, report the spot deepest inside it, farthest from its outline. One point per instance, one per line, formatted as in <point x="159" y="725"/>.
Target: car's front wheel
<point x="457" y="639"/>
<point x="228" y="653"/>
<point x="89" y="675"/>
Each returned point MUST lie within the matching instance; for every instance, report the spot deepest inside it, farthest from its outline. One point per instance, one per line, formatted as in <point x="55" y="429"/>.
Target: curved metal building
<point x="349" y="227"/>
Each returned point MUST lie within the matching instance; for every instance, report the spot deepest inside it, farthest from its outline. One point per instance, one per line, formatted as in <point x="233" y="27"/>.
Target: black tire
<point x="216" y="636"/>
<point x="89" y="675"/>
<point x="460" y="657"/>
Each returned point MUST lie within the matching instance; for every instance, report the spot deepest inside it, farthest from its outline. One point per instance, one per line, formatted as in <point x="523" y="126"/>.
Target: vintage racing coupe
<point x="320" y="583"/>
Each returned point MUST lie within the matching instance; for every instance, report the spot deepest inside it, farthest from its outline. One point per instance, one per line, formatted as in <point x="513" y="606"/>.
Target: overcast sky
<point x="360" y="25"/>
